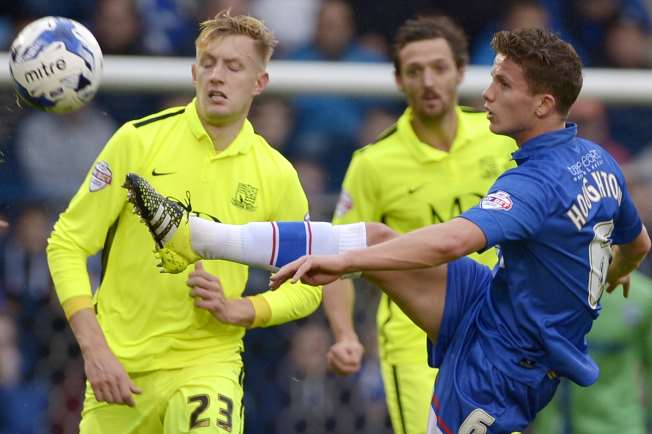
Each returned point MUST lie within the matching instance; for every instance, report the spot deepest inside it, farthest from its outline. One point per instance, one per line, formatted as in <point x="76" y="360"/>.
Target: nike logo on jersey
<point x="155" y="173"/>
<point x="415" y="189"/>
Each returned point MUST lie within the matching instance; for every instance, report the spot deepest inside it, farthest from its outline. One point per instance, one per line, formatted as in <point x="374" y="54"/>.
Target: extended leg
<point x="421" y="294"/>
<point x="182" y="239"/>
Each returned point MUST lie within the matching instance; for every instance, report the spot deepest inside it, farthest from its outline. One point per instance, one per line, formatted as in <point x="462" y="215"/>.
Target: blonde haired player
<point x="159" y="357"/>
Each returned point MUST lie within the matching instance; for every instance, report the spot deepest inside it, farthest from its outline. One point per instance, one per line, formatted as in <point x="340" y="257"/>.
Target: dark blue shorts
<point x="472" y="395"/>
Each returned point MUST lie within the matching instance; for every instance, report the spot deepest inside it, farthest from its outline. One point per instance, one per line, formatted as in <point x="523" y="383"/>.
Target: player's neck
<point x="223" y="135"/>
<point x="437" y="132"/>
<point x="542" y="127"/>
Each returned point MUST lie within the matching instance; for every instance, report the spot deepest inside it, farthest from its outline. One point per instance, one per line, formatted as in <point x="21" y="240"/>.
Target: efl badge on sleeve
<point x="499" y="200"/>
<point x="344" y="204"/>
<point x="101" y="176"/>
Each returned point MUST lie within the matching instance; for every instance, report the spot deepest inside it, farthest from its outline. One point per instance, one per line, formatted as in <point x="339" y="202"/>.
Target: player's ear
<point x="460" y="74"/>
<point x="261" y="82"/>
<point x="193" y="68"/>
<point x="398" y="80"/>
<point x="546" y="104"/>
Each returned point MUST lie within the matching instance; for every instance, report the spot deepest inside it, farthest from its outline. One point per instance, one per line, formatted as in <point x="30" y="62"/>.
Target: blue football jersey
<point x="554" y="218"/>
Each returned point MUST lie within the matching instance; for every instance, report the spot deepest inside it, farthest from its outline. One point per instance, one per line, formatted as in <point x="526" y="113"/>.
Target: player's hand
<point x="108" y="378"/>
<point x="3" y="225"/>
<point x="311" y="269"/>
<point x="207" y="290"/>
<point x="624" y="281"/>
<point x="345" y="356"/>
<point x="209" y="294"/>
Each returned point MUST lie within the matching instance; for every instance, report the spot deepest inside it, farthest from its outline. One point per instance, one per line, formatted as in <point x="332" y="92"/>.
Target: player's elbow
<point x="450" y="247"/>
<point x="458" y="238"/>
<point x="646" y="244"/>
<point x="50" y="246"/>
<point x="53" y="245"/>
<point x="639" y="248"/>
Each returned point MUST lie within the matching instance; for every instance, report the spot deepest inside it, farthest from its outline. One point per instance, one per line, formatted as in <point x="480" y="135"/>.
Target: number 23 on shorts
<point x="202" y="416"/>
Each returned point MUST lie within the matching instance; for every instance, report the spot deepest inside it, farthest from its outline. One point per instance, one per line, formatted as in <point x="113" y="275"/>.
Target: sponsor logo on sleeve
<point x="499" y="200"/>
<point x="344" y="204"/>
<point x="101" y="176"/>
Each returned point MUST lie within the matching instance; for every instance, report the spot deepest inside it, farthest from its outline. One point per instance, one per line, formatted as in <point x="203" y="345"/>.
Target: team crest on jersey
<point x="499" y="200"/>
<point x="344" y="204"/>
<point x="101" y="176"/>
<point x="245" y="197"/>
<point x="489" y="167"/>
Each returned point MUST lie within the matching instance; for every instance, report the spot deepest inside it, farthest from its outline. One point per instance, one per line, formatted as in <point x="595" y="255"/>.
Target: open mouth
<point x="216" y="95"/>
<point x="430" y="96"/>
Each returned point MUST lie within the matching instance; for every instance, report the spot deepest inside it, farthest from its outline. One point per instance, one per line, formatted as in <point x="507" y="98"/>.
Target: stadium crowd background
<point x="288" y="388"/>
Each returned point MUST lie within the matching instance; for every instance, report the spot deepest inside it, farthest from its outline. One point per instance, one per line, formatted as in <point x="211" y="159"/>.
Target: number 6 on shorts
<point x="476" y="422"/>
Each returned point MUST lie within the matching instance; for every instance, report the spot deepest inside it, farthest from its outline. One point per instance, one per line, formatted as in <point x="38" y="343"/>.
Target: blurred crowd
<point x="288" y="388"/>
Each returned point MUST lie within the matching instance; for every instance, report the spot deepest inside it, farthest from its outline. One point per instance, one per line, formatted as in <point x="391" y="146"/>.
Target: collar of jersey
<point x="240" y="145"/>
<point x="422" y="151"/>
<point x="544" y="142"/>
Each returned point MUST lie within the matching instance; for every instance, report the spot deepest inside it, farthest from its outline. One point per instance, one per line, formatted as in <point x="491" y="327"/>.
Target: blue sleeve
<point x="514" y="208"/>
<point x="628" y="223"/>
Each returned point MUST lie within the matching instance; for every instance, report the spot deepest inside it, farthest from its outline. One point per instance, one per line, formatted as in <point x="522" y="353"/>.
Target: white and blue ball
<point x="56" y="64"/>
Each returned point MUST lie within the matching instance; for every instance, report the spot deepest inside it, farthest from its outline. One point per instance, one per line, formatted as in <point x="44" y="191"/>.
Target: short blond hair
<point x="224" y="24"/>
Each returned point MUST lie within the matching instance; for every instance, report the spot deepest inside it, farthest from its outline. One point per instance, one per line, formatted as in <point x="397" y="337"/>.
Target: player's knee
<point x="378" y="232"/>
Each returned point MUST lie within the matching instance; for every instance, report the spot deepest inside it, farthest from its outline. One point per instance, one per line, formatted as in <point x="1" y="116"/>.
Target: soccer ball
<point x="56" y="64"/>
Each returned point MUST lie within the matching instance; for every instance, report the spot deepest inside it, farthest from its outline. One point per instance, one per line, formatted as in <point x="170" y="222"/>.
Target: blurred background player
<point x="437" y="161"/>
<point x="156" y="359"/>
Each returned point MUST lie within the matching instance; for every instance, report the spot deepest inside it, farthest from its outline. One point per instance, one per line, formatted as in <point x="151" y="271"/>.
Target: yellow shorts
<point x="408" y="388"/>
<point x="202" y="399"/>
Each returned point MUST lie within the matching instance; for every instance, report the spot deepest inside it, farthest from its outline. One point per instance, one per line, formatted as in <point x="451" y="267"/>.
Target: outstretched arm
<point x="423" y="248"/>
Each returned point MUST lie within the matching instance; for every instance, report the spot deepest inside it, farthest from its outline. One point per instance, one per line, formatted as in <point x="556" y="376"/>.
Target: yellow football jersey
<point x="407" y="184"/>
<point x="149" y="318"/>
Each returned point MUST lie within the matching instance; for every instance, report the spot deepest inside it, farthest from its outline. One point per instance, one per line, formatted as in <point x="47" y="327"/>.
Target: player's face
<point x="228" y="73"/>
<point x="429" y="77"/>
<point x="509" y="103"/>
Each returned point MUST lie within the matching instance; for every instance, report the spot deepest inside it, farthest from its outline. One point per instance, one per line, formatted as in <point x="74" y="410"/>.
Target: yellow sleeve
<point x="289" y="302"/>
<point x="83" y="227"/>
<point x="359" y="198"/>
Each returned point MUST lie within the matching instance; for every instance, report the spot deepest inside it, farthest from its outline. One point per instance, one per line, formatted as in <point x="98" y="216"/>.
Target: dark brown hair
<point x="550" y="65"/>
<point x="432" y="27"/>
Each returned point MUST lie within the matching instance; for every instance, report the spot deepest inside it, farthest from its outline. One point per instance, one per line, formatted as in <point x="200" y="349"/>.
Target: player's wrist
<point x="87" y="332"/>
<point x="262" y="311"/>
<point x="347" y="335"/>
<point x="240" y="312"/>
<point x="348" y="259"/>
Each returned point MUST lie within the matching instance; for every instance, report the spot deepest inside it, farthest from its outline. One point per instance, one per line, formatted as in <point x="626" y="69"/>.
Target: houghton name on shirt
<point x="597" y="186"/>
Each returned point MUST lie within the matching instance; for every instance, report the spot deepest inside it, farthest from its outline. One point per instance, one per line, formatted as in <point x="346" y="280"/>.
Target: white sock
<point x="270" y="245"/>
